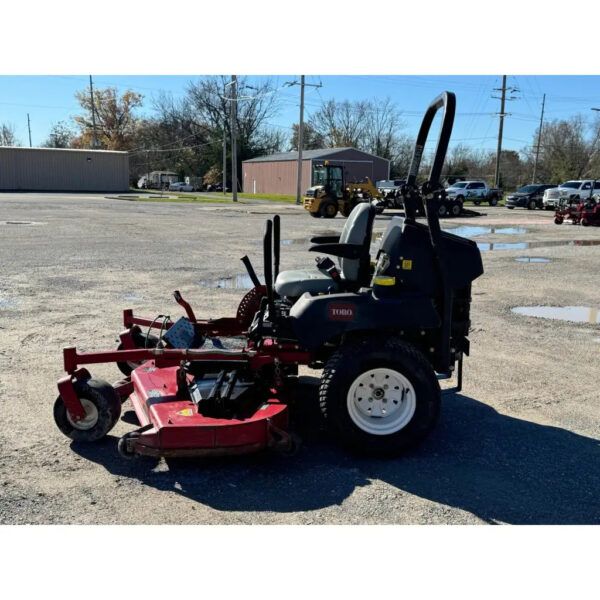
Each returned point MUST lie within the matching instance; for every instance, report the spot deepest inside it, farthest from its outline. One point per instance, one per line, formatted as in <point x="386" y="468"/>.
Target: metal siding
<point x="42" y="169"/>
<point x="279" y="177"/>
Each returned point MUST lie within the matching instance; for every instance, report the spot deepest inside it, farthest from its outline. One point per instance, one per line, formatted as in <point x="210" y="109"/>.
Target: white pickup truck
<point x="570" y="192"/>
<point x="478" y="191"/>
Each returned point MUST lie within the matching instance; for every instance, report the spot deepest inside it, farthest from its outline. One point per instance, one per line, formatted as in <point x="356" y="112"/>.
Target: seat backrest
<point x="396" y="222"/>
<point x="357" y="230"/>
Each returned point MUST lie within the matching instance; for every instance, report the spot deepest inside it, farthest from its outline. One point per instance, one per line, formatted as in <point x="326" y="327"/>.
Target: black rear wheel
<point x="380" y="396"/>
<point x="139" y="340"/>
<point x="493" y="201"/>
<point x="328" y="209"/>
<point x="101" y="404"/>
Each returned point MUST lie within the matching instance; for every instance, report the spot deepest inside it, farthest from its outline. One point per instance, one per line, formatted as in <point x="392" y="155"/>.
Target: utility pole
<point x="537" y="152"/>
<point x="234" y="137"/>
<point x="301" y="133"/>
<point x="29" y="128"/>
<point x="94" y="140"/>
<point x="300" y="142"/>
<point x="224" y="159"/>
<point x="501" y="114"/>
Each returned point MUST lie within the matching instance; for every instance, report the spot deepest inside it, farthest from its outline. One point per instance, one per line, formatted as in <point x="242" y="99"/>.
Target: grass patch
<point x="269" y="197"/>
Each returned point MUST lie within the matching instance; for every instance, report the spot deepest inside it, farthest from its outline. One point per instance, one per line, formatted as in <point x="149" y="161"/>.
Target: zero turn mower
<point x="382" y="336"/>
<point x="586" y="213"/>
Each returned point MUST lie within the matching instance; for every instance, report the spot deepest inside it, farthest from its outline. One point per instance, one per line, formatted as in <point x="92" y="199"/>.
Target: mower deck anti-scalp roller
<point x="382" y="332"/>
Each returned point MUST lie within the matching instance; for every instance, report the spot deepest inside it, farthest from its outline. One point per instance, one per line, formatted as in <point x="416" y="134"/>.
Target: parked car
<point x="569" y="193"/>
<point x="478" y="191"/>
<point x="528" y="196"/>
<point x="157" y="180"/>
<point x="181" y="186"/>
<point x="216" y="187"/>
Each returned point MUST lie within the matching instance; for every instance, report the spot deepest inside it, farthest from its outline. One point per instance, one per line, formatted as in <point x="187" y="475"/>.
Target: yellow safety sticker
<point x="407" y="265"/>
<point x="186" y="412"/>
<point x="384" y="280"/>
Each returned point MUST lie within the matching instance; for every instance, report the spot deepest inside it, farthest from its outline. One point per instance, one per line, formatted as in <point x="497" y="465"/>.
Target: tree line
<point x="186" y="135"/>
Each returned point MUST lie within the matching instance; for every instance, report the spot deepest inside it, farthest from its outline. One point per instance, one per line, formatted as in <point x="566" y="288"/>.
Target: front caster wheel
<point x="102" y="408"/>
<point x="381" y="397"/>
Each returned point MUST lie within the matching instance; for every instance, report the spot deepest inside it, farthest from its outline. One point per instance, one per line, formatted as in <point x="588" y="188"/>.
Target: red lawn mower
<point x="383" y="336"/>
<point x="586" y="213"/>
<point x="590" y="214"/>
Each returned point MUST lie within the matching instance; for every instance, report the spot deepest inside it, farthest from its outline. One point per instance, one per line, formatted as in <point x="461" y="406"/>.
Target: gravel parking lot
<point x="520" y="444"/>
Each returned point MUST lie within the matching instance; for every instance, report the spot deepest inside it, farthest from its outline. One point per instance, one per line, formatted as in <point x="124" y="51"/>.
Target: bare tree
<point x="311" y="139"/>
<point x="61" y="136"/>
<point x="383" y="127"/>
<point x="7" y="135"/>
<point x="341" y="124"/>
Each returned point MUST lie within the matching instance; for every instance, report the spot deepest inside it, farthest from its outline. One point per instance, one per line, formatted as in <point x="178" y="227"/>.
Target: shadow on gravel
<point x="496" y="467"/>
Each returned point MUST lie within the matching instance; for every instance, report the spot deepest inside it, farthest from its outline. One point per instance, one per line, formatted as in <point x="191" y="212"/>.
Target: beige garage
<point x="62" y="170"/>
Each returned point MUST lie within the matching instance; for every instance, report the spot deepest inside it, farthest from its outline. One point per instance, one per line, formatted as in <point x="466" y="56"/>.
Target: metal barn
<point x="278" y="173"/>
<point x="63" y="170"/>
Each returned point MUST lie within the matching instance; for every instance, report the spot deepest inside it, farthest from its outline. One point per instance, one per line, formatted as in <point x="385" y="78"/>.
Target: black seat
<point x="353" y="249"/>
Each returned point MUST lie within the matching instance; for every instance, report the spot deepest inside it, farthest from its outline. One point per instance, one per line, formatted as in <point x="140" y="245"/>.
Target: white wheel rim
<point x="91" y="416"/>
<point x="381" y="401"/>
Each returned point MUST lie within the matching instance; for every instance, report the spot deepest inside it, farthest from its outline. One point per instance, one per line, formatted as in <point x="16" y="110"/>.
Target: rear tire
<point x="386" y="421"/>
<point x="532" y="205"/>
<point x="328" y="209"/>
<point x="442" y="210"/>
<point x="493" y="201"/>
<point x="558" y="221"/>
<point x="139" y="340"/>
<point x="102" y="406"/>
<point x="347" y="210"/>
<point x="456" y="209"/>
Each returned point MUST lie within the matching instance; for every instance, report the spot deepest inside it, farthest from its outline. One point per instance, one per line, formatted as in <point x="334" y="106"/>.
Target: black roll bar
<point x="447" y="100"/>
<point x="429" y="190"/>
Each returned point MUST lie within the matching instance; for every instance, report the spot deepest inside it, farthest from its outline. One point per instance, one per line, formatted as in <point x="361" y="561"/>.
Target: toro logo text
<point x="339" y="311"/>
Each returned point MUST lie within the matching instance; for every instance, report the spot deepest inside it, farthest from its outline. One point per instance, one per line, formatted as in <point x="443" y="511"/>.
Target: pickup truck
<point x="385" y="186"/>
<point x="568" y="193"/>
<point x="478" y="191"/>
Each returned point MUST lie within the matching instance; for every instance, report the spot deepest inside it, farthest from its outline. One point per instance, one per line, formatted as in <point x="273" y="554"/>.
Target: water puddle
<point x="238" y="282"/>
<point x="532" y="259"/>
<point x="469" y="231"/>
<point x="4" y="303"/>
<point x="573" y="314"/>
<point x="485" y="247"/>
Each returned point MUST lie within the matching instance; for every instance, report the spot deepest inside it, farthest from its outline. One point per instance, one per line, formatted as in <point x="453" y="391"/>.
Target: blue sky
<point x="49" y="99"/>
